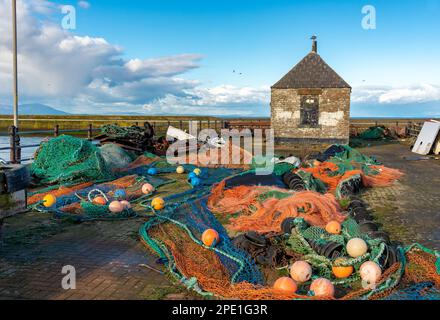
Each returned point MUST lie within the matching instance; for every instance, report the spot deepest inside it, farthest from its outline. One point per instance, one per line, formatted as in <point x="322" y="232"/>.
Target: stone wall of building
<point x="334" y="115"/>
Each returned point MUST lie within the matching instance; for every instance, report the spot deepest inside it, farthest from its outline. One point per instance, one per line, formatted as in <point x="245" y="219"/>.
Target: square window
<point x="309" y="111"/>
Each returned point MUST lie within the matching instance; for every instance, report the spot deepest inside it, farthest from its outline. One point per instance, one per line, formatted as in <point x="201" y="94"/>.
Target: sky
<point x="219" y="57"/>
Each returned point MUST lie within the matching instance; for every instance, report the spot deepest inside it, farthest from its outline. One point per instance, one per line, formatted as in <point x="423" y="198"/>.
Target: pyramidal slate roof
<point x="311" y="72"/>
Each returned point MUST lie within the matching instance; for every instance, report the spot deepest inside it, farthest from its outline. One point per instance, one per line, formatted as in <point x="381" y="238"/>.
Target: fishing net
<point x="345" y="171"/>
<point x="68" y="160"/>
<point x="262" y="209"/>
<point x="229" y="273"/>
<point x="243" y="202"/>
<point x="373" y="133"/>
<point x="227" y="156"/>
<point x="222" y="271"/>
<point x="249" y="203"/>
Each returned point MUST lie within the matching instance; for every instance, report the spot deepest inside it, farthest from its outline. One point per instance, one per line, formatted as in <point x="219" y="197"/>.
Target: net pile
<point x="68" y="160"/>
<point x="262" y="209"/>
<point x="77" y="201"/>
<point x="234" y="157"/>
<point x="75" y="187"/>
<point x="227" y="272"/>
<point x="347" y="168"/>
<point x="230" y="272"/>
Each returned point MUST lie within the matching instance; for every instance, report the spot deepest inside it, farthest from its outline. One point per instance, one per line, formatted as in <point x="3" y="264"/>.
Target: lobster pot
<point x="13" y="182"/>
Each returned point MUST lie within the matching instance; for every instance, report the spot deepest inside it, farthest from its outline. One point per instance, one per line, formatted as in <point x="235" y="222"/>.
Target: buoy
<point x="180" y="169"/>
<point x="356" y="247"/>
<point x="191" y="175"/>
<point x="158" y="203"/>
<point x="322" y="287"/>
<point x="116" y="207"/>
<point x="197" y="171"/>
<point x="286" y="285"/>
<point x="49" y="200"/>
<point x="342" y="272"/>
<point x="333" y="227"/>
<point x="147" y="188"/>
<point x="126" y="204"/>
<point x="301" y="271"/>
<point x="152" y="171"/>
<point x="210" y="237"/>
<point x="195" y="181"/>
<point x="370" y="272"/>
<point x="99" y="200"/>
<point x="120" y="194"/>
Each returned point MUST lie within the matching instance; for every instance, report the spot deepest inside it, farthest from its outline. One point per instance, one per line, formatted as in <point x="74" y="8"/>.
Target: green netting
<point x="311" y="183"/>
<point x="69" y="160"/>
<point x="351" y="159"/>
<point x="373" y="133"/>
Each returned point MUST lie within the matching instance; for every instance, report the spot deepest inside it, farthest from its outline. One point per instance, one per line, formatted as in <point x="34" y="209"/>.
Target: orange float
<point x="322" y="287"/>
<point x="49" y="200"/>
<point x="286" y="285"/>
<point x="301" y="271"/>
<point x="210" y="237"/>
<point x="116" y="207"/>
<point x="333" y="227"/>
<point x="342" y="272"/>
<point x="370" y="272"/>
<point x="126" y="204"/>
<point x="99" y="200"/>
<point x="158" y="203"/>
<point x="147" y="188"/>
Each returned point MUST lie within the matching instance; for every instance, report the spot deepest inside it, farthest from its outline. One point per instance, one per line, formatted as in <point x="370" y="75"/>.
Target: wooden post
<point x="181" y="125"/>
<point x="90" y="132"/>
<point x="12" y="145"/>
<point x="209" y="124"/>
<point x="56" y="130"/>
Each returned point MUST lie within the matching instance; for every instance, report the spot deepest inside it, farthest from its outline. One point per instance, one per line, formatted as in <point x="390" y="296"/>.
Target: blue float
<point x="152" y="171"/>
<point x="195" y="181"/>
<point x="191" y="175"/>
<point x="120" y="194"/>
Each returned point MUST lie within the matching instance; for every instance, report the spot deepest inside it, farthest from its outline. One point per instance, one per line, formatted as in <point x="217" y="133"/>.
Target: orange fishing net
<point x="212" y="276"/>
<point x="385" y="177"/>
<point x="317" y="209"/>
<point x="192" y="260"/>
<point x="327" y="172"/>
<point x="140" y="162"/>
<point x="123" y="182"/>
<point x="228" y="156"/>
<point x="57" y="192"/>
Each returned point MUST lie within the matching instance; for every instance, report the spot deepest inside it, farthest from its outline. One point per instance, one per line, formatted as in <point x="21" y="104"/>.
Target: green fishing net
<point x="69" y="160"/>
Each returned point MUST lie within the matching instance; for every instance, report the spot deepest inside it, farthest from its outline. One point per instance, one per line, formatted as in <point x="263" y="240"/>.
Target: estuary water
<point x="25" y="153"/>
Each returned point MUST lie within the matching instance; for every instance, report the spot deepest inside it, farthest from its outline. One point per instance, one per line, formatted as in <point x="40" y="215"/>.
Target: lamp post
<point x="14" y="49"/>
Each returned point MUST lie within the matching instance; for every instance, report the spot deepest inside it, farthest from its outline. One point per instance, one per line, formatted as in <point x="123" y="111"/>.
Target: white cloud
<point x="219" y="101"/>
<point x="88" y="74"/>
<point x="84" y="4"/>
<point x="403" y="95"/>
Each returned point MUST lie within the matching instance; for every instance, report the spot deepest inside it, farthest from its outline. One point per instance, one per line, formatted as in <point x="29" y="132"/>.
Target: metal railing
<point x="15" y="146"/>
<point x="160" y="127"/>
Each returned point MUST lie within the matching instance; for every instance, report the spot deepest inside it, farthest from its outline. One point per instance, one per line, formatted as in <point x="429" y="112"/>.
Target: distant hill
<point x="32" y="109"/>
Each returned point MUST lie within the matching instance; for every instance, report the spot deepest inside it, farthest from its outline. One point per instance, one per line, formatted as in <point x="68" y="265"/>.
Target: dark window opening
<point x="309" y="111"/>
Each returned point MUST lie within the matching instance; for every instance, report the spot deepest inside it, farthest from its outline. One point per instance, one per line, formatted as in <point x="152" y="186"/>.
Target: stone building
<point x="311" y="104"/>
